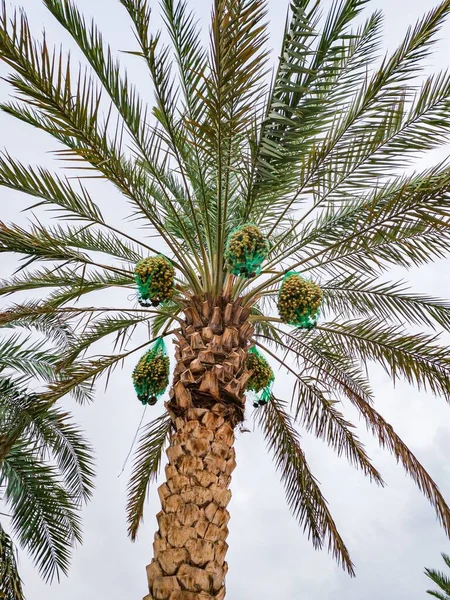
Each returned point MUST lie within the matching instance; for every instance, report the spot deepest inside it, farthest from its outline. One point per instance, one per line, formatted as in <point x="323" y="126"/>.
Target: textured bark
<point x="206" y="403"/>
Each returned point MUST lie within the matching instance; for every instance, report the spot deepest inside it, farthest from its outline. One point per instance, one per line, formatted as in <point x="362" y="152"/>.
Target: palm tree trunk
<point x="207" y="402"/>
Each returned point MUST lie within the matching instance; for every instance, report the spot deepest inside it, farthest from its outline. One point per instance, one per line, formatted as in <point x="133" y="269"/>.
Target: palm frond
<point x="71" y="114"/>
<point x="34" y="359"/>
<point x="27" y="416"/>
<point x="388" y="438"/>
<point x="416" y="358"/>
<point x="10" y="581"/>
<point x="35" y="495"/>
<point x="440" y="579"/>
<point x="302" y="491"/>
<point x="145" y="469"/>
<point x="319" y="415"/>
<point x="403" y="222"/>
<point x="32" y="315"/>
<point x="50" y="188"/>
<point x="191" y="59"/>
<point x="71" y="282"/>
<point x="400" y="209"/>
<point x="60" y="194"/>
<point x="35" y="244"/>
<point x="387" y="301"/>
<point x="334" y="367"/>
<point x="237" y="63"/>
<point x="437" y="595"/>
<point x="127" y="101"/>
<point x="107" y="68"/>
<point x="380" y="100"/>
<point x="316" y="73"/>
<point x="164" y="318"/>
<point x="315" y="408"/>
<point x="120" y="324"/>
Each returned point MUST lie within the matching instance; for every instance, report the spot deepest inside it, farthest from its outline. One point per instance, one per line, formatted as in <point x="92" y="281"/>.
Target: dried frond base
<point x="211" y="353"/>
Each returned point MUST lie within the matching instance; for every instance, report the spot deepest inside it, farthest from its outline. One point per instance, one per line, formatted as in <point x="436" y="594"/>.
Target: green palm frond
<point x="34" y="494"/>
<point x="438" y="595"/>
<point x="33" y="359"/>
<point x="121" y="325"/>
<point x="333" y="367"/>
<point x="390" y="301"/>
<point x="320" y="415"/>
<point x="71" y="282"/>
<point x="302" y="491"/>
<point x="237" y="65"/>
<point x="44" y="79"/>
<point x="46" y="465"/>
<point x="315" y="408"/>
<point x="85" y="373"/>
<point x="402" y="222"/>
<point x="100" y="57"/>
<point x="61" y="196"/>
<point x="416" y="358"/>
<point x="388" y="438"/>
<point x="95" y="240"/>
<point x="56" y="243"/>
<point x="34" y="243"/>
<point x="440" y="579"/>
<point x="379" y="99"/>
<point x="49" y="188"/>
<point x="28" y="417"/>
<point x="192" y="64"/>
<point x="164" y="319"/>
<point x="10" y="581"/>
<point x="31" y="315"/>
<point x="314" y="72"/>
<point x="146" y="467"/>
<point x="128" y="103"/>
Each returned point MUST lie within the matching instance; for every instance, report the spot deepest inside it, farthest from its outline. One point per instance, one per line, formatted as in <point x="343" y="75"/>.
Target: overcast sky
<point x="392" y="533"/>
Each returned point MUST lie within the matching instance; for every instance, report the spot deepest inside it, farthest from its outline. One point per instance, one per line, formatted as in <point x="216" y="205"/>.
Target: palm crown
<point x="313" y="160"/>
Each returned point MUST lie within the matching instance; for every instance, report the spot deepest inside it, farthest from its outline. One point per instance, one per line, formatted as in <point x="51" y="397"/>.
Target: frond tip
<point x="441" y="580"/>
<point x="303" y="494"/>
<point x="145" y="469"/>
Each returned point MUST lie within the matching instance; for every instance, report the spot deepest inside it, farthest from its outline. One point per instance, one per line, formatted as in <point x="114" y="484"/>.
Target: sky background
<point x="392" y="533"/>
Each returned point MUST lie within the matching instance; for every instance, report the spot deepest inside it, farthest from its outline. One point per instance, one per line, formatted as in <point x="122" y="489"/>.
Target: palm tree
<point x="440" y="580"/>
<point x="249" y="194"/>
<point x="45" y="468"/>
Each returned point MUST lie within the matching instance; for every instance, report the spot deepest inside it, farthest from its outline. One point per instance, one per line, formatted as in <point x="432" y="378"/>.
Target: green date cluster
<point x="155" y="278"/>
<point x="246" y="250"/>
<point x="151" y="376"/>
<point x="262" y="372"/>
<point x="299" y="301"/>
